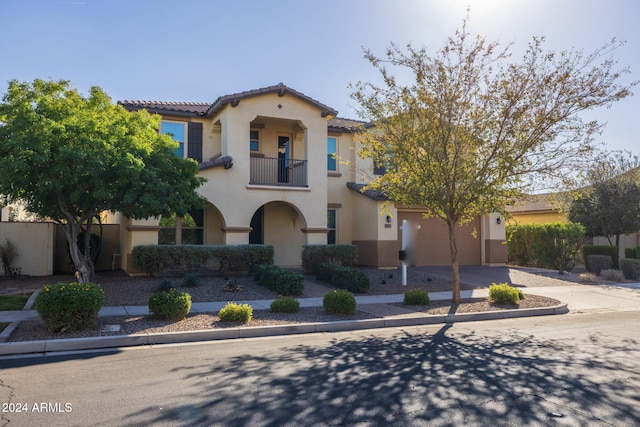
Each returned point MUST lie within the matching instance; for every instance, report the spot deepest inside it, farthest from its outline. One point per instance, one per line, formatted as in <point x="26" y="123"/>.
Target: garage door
<point x="432" y="241"/>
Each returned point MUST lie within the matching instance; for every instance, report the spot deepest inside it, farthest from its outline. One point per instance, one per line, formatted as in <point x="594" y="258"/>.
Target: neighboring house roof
<point x="347" y="125"/>
<point x="370" y="193"/>
<point x="539" y="203"/>
<point x="194" y="109"/>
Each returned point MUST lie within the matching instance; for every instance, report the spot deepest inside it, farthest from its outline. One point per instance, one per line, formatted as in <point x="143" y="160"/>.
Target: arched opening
<point x="279" y="224"/>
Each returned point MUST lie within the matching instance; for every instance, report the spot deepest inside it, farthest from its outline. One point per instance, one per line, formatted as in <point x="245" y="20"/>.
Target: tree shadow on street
<point x="441" y="379"/>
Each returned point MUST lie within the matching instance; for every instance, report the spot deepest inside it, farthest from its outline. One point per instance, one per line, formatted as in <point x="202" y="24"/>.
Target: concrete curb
<point x="111" y="342"/>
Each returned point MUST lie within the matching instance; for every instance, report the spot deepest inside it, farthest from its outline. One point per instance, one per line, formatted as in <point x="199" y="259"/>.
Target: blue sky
<point x="197" y="50"/>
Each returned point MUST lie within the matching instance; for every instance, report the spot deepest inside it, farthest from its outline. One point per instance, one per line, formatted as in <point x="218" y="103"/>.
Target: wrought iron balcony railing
<point x="278" y="171"/>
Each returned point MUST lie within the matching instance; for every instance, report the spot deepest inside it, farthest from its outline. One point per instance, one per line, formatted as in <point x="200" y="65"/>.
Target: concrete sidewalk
<point x="574" y="298"/>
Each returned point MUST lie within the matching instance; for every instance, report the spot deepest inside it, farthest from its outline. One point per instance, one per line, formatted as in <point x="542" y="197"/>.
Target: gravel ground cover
<point x="121" y="289"/>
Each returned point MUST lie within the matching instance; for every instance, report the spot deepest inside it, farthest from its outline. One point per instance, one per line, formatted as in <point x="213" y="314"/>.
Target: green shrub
<point x="416" y="297"/>
<point x="555" y="245"/>
<point x="69" y="306"/>
<point x="191" y="281"/>
<point x="165" y="285"/>
<point x="503" y="293"/>
<point x="613" y="275"/>
<point x="285" y="304"/>
<point x="8" y="254"/>
<point x="633" y="253"/>
<point x="171" y="305"/>
<point x="630" y="268"/>
<point x="233" y="312"/>
<point x="343" y="277"/>
<point x="284" y="282"/>
<point x="312" y="255"/>
<point x="153" y="259"/>
<point x="339" y="301"/>
<point x="597" y="263"/>
<point x="608" y="250"/>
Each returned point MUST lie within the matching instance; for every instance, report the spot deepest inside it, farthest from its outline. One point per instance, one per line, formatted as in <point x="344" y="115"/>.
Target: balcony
<point x="278" y="171"/>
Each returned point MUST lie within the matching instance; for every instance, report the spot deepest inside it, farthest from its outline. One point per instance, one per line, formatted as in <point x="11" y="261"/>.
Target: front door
<point x="283" y="159"/>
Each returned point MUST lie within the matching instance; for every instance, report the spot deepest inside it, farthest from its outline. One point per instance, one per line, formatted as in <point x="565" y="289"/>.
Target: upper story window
<point x="332" y="151"/>
<point x="177" y="131"/>
<point x="254" y="140"/>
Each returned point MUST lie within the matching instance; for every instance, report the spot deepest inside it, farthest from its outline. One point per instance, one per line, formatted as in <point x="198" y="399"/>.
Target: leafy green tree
<point x="70" y="157"/>
<point x="610" y="205"/>
<point x="472" y="131"/>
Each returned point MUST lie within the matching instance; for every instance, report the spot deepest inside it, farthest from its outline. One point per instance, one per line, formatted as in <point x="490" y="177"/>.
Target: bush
<point x="284" y="282"/>
<point x="555" y="245"/>
<point x="630" y="268"/>
<point x="233" y="312"/>
<point x="346" y="255"/>
<point x="8" y="254"/>
<point x="416" y="297"/>
<point x="69" y="306"/>
<point x="285" y="304"/>
<point x="503" y="293"/>
<point x="597" y="263"/>
<point x="613" y="275"/>
<point x="608" y="250"/>
<point x="170" y="305"/>
<point x="343" y="277"/>
<point x="588" y="278"/>
<point x="191" y="281"/>
<point x="633" y="253"/>
<point x="339" y="301"/>
<point x="153" y="259"/>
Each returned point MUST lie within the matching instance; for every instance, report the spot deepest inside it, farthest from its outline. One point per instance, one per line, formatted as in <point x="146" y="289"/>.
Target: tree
<point x="70" y="157"/>
<point x="610" y="205"/>
<point x="472" y="132"/>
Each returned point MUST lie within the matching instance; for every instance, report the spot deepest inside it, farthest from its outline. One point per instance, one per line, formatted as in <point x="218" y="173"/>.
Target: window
<point x="331" y="225"/>
<point x="331" y="153"/>
<point x="189" y="228"/>
<point x="254" y="140"/>
<point x="176" y="131"/>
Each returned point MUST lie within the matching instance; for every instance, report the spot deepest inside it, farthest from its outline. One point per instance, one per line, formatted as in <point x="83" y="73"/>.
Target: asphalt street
<point x="579" y="369"/>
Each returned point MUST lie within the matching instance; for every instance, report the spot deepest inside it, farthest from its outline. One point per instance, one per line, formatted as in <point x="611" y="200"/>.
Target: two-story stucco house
<point x="283" y="169"/>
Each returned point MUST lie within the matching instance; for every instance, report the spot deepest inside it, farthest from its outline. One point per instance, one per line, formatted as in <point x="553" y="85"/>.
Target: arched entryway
<point x="279" y="224"/>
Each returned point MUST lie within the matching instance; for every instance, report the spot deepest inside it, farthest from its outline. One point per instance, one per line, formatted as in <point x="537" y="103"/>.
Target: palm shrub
<point x="339" y="301"/>
<point x="503" y="293"/>
<point x="285" y="304"/>
<point x="233" y="312"/>
<point x="170" y="305"/>
<point x="165" y="285"/>
<point x="69" y="306"/>
<point x="191" y="281"/>
<point x="416" y="297"/>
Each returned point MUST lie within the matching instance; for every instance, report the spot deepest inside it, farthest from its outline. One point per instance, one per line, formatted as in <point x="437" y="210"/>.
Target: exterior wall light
<point x="498" y="220"/>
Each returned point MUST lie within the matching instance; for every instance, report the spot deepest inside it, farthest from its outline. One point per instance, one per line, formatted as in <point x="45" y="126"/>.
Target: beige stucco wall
<point x="35" y="242"/>
<point x="522" y="218"/>
<point x="283" y="229"/>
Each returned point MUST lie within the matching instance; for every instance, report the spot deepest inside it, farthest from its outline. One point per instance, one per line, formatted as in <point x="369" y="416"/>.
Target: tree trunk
<point x="82" y="261"/>
<point x="455" y="263"/>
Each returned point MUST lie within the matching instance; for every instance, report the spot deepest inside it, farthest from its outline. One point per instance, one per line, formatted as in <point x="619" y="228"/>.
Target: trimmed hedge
<point x="339" y="301"/>
<point x="343" y="277"/>
<point x="153" y="259"/>
<point x="233" y="312"/>
<point x="69" y="306"/>
<point x="555" y="245"/>
<point x="171" y="305"/>
<point x="633" y="253"/>
<point x="596" y="263"/>
<point x="416" y="297"/>
<point x="503" y="293"/>
<point x="312" y="255"/>
<point x="607" y="250"/>
<point x="284" y="282"/>
<point x="630" y="268"/>
<point x="285" y="304"/>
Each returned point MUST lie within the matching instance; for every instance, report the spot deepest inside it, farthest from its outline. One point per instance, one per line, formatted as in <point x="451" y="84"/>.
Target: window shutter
<point x="195" y="141"/>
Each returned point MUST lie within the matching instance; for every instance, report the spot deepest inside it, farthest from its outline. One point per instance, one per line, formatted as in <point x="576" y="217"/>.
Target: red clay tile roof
<point x="205" y="109"/>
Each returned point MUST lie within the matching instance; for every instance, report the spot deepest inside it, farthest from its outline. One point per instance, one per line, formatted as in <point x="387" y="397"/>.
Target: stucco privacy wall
<point x="35" y="245"/>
